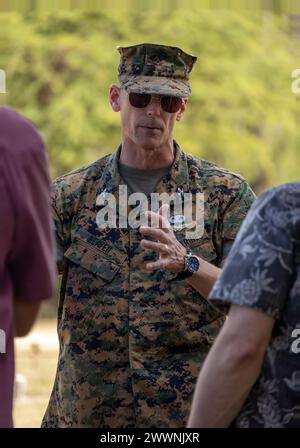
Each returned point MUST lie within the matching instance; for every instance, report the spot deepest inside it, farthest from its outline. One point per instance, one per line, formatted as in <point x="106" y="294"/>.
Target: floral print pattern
<point x="263" y="272"/>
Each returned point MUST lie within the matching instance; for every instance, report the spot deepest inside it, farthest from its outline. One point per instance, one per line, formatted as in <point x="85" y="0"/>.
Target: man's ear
<point x="114" y="97"/>
<point x="182" y="109"/>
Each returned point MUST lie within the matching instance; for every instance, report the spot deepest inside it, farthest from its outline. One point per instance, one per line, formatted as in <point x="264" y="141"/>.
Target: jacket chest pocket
<point x="101" y="264"/>
<point x="94" y="282"/>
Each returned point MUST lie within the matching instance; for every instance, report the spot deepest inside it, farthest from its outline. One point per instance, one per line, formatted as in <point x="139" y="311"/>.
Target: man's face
<point x="149" y="127"/>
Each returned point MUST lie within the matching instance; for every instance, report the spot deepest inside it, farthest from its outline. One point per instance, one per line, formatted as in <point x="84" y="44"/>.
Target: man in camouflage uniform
<point x="134" y="330"/>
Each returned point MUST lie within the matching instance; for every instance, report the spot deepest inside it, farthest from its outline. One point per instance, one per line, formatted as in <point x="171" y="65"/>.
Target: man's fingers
<point x="158" y="220"/>
<point x="159" y="264"/>
<point x="158" y="234"/>
<point x="157" y="247"/>
<point x="164" y="212"/>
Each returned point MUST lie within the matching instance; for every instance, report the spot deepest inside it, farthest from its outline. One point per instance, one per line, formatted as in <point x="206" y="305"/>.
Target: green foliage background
<point x="242" y="114"/>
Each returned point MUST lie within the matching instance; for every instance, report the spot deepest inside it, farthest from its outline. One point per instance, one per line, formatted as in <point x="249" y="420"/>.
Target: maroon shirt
<point x="26" y="242"/>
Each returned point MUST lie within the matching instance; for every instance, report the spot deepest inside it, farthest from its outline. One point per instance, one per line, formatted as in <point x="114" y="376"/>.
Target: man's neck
<point x="137" y="157"/>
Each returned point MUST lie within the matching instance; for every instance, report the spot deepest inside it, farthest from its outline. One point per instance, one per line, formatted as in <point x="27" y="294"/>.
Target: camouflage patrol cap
<point x="151" y="68"/>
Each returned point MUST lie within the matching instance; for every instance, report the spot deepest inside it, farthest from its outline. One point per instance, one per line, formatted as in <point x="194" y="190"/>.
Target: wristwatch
<point x="191" y="265"/>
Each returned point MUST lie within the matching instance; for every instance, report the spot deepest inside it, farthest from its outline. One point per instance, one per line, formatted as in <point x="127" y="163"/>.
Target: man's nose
<point x="154" y="107"/>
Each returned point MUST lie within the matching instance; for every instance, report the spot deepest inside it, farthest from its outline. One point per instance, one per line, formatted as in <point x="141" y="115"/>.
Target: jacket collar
<point x="177" y="179"/>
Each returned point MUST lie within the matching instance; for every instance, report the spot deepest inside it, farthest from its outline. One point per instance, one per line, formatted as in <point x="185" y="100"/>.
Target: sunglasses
<point x="170" y="104"/>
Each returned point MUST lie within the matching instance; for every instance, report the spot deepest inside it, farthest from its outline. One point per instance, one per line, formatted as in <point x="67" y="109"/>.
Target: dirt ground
<point x="36" y="360"/>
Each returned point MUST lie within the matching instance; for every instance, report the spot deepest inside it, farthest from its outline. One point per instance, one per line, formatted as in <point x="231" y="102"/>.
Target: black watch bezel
<point x="188" y="271"/>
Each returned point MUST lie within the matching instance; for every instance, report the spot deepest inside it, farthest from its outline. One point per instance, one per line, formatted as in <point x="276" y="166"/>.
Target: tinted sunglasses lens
<point x="139" y="99"/>
<point x="171" y="104"/>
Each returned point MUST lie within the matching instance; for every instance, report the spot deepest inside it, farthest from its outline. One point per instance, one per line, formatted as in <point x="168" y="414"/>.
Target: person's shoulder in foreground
<point x="262" y="251"/>
<point x="25" y="176"/>
<point x="18" y="134"/>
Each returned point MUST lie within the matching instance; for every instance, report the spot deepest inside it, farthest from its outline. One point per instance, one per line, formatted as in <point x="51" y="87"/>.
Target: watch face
<point x="193" y="263"/>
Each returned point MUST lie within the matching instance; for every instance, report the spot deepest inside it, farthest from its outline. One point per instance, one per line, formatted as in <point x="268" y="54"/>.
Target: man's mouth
<point x="153" y="128"/>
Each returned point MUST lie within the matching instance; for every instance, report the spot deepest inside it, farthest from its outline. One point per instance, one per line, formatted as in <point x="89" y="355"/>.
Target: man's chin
<point x="150" y="144"/>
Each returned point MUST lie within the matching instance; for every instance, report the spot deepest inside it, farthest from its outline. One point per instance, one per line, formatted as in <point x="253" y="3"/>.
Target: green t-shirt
<point x="142" y="180"/>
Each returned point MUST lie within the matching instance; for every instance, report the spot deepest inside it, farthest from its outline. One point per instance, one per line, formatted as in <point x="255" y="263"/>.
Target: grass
<point x="36" y="359"/>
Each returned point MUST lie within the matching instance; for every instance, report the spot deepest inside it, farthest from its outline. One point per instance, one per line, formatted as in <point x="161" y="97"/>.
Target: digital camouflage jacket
<point x="132" y="342"/>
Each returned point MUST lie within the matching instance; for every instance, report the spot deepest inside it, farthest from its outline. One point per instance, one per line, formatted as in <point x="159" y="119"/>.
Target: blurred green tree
<point x="242" y="113"/>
